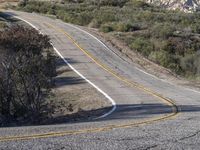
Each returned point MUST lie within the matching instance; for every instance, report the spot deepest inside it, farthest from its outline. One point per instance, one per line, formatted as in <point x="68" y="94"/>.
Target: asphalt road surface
<point x="147" y="113"/>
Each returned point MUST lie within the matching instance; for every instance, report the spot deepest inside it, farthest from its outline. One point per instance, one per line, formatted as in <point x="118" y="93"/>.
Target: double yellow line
<point x="106" y="68"/>
<point x="175" y="109"/>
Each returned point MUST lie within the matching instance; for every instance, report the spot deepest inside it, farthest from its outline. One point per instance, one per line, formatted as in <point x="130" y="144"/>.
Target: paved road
<point x="149" y="114"/>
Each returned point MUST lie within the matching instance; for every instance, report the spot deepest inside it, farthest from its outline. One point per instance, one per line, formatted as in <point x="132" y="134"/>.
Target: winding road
<point x="146" y="113"/>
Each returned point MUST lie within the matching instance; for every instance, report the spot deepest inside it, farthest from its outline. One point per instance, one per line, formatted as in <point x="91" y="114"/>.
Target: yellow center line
<point x="169" y="102"/>
<point x="106" y="68"/>
<point x="76" y="132"/>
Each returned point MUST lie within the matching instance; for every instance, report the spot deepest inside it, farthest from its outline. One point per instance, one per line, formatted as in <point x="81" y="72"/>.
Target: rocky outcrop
<point x="184" y="5"/>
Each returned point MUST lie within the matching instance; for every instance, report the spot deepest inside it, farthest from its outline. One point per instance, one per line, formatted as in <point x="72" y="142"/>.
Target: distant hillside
<point x="184" y="5"/>
<point x="2" y="1"/>
<point x="168" y="38"/>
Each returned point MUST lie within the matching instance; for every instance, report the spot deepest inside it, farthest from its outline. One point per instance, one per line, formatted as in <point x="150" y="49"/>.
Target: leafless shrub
<point x="26" y="71"/>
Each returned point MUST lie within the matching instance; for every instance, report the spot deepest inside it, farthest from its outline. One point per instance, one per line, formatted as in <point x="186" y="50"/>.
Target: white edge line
<point x="135" y="67"/>
<point x="96" y="87"/>
<point x="82" y="76"/>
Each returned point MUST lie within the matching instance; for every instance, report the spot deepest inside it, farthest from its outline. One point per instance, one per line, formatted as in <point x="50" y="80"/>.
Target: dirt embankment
<point x="4" y="3"/>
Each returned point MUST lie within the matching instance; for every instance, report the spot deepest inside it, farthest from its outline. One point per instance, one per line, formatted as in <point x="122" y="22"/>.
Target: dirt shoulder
<point x="73" y="98"/>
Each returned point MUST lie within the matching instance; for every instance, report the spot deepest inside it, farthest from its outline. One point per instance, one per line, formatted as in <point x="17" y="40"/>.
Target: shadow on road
<point x="63" y="81"/>
<point x="64" y="75"/>
<point x="123" y="112"/>
<point x="137" y="111"/>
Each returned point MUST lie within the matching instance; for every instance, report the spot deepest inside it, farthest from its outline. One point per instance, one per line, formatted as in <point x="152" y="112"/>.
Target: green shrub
<point x="106" y="28"/>
<point x="95" y="24"/>
<point x="160" y="57"/>
<point x="178" y="46"/>
<point x="140" y="4"/>
<point x="164" y="31"/>
<point x="146" y="16"/>
<point x="74" y="1"/>
<point x="142" y="45"/>
<point x="84" y="18"/>
<point x="61" y="14"/>
<point x="191" y="64"/>
<point x="122" y="27"/>
<point x="196" y="27"/>
<point x="165" y="59"/>
<point x="114" y="3"/>
<point x="2" y="25"/>
<point x="105" y="15"/>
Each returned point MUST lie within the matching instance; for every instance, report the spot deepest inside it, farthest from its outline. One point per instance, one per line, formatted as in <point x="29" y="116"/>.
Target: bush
<point x="179" y="46"/>
<point x="61" y="14"/>
<point x="142" y="45"/>
<point x="106" y="28"/>
<point x="196" y="28"/>
<point x="164" y="31"/>
<point x="126" y="27"/>
<point x="160" y="57"/>
<point x="122" y="27"/>
<point x="26" y="71"/>
<point x="140" y="4"/>
<point x="105" y="15"/>
<point x="114" y="3"/>
<point x="191" y="64"/>
<point x="95" y="24"/>
<point x="2" y="25"/>
<point x="83" y="18"/>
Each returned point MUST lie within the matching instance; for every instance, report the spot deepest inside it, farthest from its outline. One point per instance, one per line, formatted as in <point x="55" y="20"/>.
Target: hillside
<point x="1" y="1"/>
<point x="184" y="5"/>
<point x="168" y="38"/>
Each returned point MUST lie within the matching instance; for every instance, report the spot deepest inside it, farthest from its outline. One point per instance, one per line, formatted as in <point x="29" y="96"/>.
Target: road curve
<point x="140" y="98"/>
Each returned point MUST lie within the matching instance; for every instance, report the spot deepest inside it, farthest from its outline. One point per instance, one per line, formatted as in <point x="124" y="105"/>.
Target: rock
<point x="183" y="5"/>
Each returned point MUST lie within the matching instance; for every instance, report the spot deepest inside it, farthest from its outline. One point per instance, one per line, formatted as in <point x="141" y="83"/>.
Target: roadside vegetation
<point x="26" y="73"/>
<point x="168" y="38"/>
<point x="34" y="83"/>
